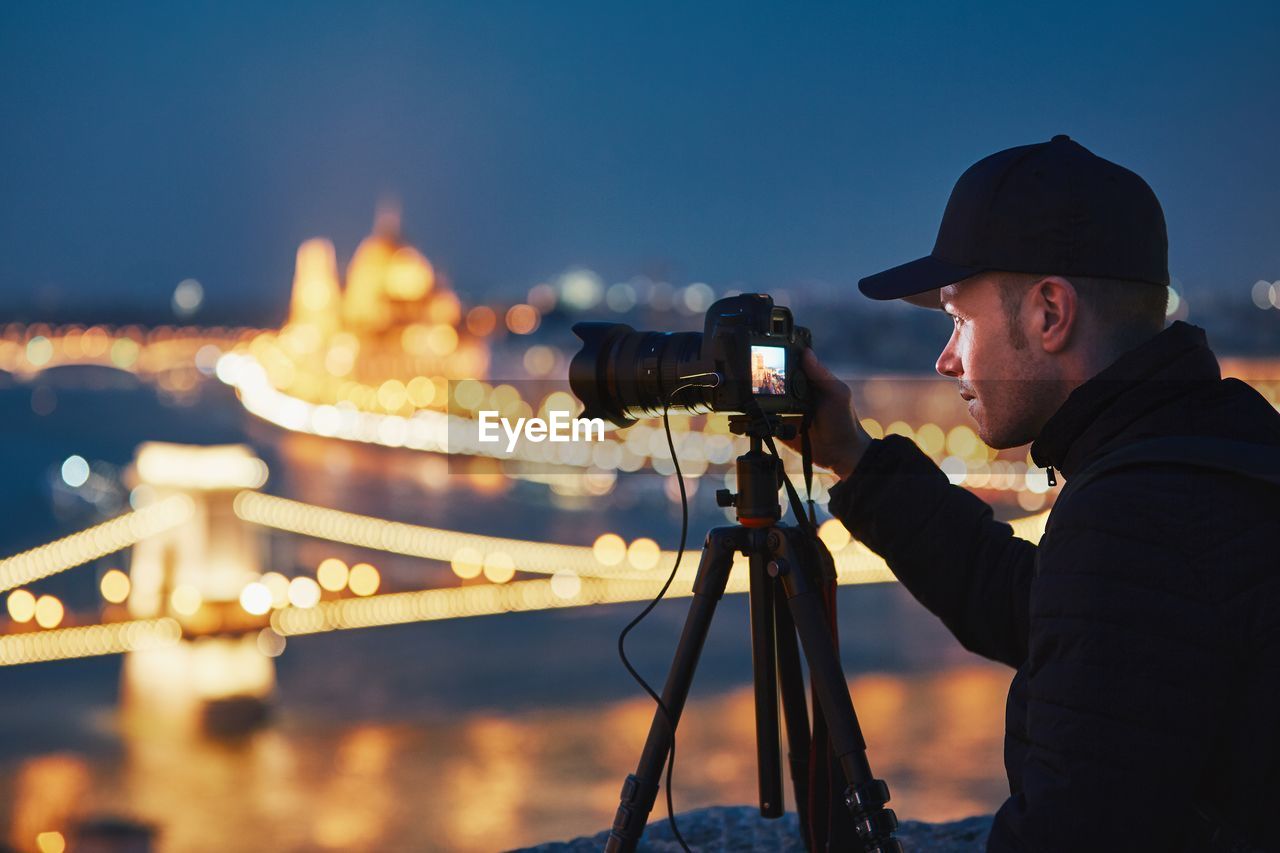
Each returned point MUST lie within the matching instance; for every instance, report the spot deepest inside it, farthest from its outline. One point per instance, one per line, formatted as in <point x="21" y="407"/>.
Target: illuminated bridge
<point x="194" y="570"/>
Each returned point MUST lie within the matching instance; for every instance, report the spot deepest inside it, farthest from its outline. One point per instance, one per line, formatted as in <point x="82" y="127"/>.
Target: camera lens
<point x="622" y="375"/>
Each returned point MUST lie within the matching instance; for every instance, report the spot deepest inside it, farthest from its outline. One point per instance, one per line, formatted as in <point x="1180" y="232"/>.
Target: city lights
<point x="187" y="467"/>
<point x="471" y="555"/>
<point x="563" y="589"/>
<point x="75" y="471"/>
<point x="1266" y="294"/>
<point x="21" y="605"/>
<point x="270" y="644"/>
<point x="185" y="600"/>
<point x="278" y="585"/>
<point x="609" y="571"/>
<point x="98" y="541"/>
<point x="168" y="356"/>
<point x="49" y="611"/>
<point x="499" y="567"/>
<point x="255" y="598"/>
<point x="409" y="411"/>
<point x="187" y="297"/>
<point x="39" y="351"/>
<point x="51" y="842"/>
<point x="609" y="549"/>
<point x="108" y="639"/>
<point x="834" y="534"/>
<point x="408" y="539"/>
<point x="643" y="554"/>
<point x="467" y="562"/>
<point x="566" y="584"/>
<point x="332" y="574"/>
<point x="114" y="586"/>
<point x="303" y="592"/>
<point x="363" y="579"/>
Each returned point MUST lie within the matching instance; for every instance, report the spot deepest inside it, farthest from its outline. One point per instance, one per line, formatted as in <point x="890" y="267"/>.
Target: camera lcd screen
<point x="768" y="371"/>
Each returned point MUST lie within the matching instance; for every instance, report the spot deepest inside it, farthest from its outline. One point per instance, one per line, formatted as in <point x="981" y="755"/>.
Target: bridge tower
<point x="218" y="677"/>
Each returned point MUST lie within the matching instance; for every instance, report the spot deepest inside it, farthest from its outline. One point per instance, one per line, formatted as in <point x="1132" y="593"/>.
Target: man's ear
<point x="1054" y="307"/>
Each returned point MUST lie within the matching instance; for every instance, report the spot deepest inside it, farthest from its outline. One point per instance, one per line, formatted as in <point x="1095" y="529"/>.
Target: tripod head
<point x="759" y="474"/>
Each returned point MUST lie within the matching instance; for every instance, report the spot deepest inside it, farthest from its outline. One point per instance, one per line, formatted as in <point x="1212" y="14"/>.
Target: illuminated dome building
<point x="387" y="343"/>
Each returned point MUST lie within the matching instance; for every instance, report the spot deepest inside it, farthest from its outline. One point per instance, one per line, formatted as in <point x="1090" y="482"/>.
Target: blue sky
<point x="748" y="144"/>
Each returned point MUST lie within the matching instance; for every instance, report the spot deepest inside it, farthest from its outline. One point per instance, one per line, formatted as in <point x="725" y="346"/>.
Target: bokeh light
<point x="185" y="600"/>
<point x="522" y="319"/>
<point x="75" y="471"/>
<point x="51" y="842"/>
<point x="304" y="592"/>
<point x="580" y="289"/>
<point x="49" y="611"/>
<point x="269" y="643"/>
<point x="834" y="534"/>
<point x="609" y="549"/>
<point x="467" y="563"/>
<point x="499" y="567"/>
<point x="364" y="579"/>
<point x="114" y="586"/>
<point x="643" y="554"/>
<point x="21" y="605"/>
<point x="278" y="584"/>
<point x="332" y="574"/>
<point x="188" y="296"/>
<point x="566" y="584"/>
<point x="255" y="598"/>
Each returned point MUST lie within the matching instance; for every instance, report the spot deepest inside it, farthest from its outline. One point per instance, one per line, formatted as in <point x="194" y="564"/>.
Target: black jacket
<point x="1145" y="626"/>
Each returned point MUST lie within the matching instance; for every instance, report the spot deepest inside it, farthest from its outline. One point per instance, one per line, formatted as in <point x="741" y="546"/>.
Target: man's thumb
<point x="814" y="368"/>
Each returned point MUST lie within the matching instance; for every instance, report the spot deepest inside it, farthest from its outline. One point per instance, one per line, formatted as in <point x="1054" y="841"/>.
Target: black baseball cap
<point x="1053" y="208"/>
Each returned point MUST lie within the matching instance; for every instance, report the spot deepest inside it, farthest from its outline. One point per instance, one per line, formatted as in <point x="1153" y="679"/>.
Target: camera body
<point x="749" y="350"/>
<point x="756" y="349"/>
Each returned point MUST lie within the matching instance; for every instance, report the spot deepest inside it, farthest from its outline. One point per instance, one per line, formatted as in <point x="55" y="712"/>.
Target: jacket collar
<point x="1143" y="379"/>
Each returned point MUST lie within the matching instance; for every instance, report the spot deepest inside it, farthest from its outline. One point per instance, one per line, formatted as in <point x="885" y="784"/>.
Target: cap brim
<point x="917" y="282"/>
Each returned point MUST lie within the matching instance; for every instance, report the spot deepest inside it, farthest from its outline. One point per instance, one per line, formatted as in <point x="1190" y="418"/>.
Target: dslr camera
<point x="747" y="355"/>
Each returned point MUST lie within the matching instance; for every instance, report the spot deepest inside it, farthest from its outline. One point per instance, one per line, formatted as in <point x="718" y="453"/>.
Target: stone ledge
<point x="740" y="829"/>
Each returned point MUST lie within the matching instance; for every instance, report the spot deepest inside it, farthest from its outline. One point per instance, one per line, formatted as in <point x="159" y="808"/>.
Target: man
<point x="1145" y="626"/>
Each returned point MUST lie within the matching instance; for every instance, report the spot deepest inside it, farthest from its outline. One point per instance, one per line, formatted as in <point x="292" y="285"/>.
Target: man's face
<point x="997" y="379"/>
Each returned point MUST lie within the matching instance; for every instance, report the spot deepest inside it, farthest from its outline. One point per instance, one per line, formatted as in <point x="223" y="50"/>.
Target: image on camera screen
<point x="768" y="370"/>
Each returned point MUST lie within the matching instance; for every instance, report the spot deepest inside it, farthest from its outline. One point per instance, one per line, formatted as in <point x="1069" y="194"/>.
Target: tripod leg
<point x="795" y="713"/>
<point x="866" y="795"/>
<point x="641" y="788"/>
<point x="764" y="664"/>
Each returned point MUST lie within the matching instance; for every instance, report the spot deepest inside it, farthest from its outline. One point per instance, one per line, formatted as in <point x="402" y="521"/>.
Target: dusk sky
<point x="742" y="144"/>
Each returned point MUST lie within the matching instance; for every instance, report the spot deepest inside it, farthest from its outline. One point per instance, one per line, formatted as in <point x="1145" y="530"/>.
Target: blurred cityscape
<point x="250" y="575"/>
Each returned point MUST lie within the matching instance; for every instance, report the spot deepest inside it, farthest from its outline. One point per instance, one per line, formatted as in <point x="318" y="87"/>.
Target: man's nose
<point x="949" y="363"/>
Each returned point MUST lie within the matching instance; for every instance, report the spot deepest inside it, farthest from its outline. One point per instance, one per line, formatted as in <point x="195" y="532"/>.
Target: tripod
<point x="786" y="600"/>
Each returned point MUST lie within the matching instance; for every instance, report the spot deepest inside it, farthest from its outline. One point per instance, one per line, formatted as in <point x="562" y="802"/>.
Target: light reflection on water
<point x="489" y="781"/>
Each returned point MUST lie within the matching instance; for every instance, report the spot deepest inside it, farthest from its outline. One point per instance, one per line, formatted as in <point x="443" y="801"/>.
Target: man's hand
<point x="835" y="436"/>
